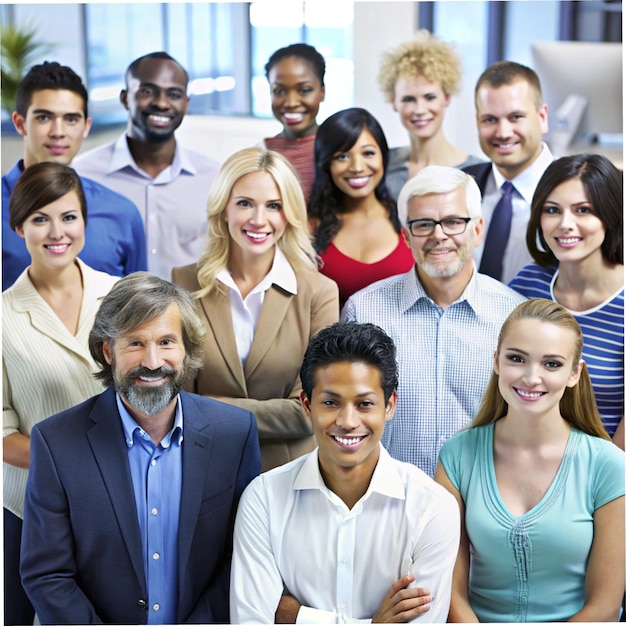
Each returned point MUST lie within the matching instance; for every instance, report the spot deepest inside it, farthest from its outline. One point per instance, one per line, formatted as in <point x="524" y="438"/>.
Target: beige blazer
<point x="269" y="384"/>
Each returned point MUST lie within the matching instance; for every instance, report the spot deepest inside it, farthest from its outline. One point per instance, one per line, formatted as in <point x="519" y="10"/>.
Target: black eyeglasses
<point x="449" y="226"/>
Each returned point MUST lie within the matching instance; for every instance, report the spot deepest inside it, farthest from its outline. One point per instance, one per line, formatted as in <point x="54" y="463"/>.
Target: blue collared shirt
<point x="445" y="356"/>
<point x="115" y="242"/>
<point x="156" y="472"/>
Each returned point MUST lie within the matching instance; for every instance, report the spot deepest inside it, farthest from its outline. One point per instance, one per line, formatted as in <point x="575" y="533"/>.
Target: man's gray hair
<point x="439" y="179"/>
<point x="135" y="300"/>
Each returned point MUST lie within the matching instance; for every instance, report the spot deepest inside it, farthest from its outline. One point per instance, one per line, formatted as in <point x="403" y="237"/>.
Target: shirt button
<point x="154" y="511"/>
<point x="153" y="462"/>
<point x="153" y="251"/>
<point x="156" y="556"/>
<point x="344" y="559"/>
<point x="156" y="607"/>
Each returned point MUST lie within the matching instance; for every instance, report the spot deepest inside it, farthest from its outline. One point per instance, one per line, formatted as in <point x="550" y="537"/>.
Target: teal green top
<point x="531" y="568"/>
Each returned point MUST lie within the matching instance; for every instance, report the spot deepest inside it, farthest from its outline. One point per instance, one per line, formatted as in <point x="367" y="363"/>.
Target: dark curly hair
<point x="339" y="133"/>
<point x="302" y="51"/>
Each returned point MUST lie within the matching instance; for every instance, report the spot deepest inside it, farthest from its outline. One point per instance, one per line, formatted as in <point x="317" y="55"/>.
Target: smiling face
<point x="439" y="255"/>
<point x="255" y="216"/>
<point x="570" y="227"/>
<point x="510" y="126"/>
<point x="356" y="172"/>
<point x="535" y="364"/>
<point x="348" y="411"/>
<point x="55" y="233"/>
<point x="421" y="105"/>
<point x="156" y="100"/>
<point x="54" y="126"/>
<point x="296" y="94"/>
<point x="148" y="363"/>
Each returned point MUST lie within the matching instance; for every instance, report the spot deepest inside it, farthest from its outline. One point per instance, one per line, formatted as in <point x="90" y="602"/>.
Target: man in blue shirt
<point x="51" y="116"/>
<point x="131" y="497"/>
<point x="443" y="316"/>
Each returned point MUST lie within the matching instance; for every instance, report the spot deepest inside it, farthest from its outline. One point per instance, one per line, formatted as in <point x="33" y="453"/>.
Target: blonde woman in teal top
<point x="539" y="484"/>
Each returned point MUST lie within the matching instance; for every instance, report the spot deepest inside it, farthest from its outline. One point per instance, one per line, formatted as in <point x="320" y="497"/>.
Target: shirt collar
<point x="130" y="426"/>
<point x="385" y="480"/>
<point x="526" y="181"/>
<point x="281" y="274"/>
<point x="122" y="158"/>
<point x="413" y="291"/>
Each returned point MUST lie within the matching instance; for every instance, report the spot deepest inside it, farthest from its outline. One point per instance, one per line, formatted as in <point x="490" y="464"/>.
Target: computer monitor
<point x="592" y="71"/>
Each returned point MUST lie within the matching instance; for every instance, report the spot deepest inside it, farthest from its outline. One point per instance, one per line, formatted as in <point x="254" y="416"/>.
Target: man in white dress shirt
<point x="345" y="533"/>
<point x="511" y="118"/>
<point x="168" y="183"/>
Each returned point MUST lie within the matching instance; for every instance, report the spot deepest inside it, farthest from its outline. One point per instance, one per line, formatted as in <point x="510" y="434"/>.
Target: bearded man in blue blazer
<point x="131" y="495"/>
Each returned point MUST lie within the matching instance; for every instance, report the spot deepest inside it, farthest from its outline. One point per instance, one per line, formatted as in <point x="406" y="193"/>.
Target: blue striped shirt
<point x="603" y="334"/>
<point x="445" y="356"/>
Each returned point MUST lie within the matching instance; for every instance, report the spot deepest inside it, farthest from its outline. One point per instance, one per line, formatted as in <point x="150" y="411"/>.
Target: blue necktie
<point x="498" y="234"/>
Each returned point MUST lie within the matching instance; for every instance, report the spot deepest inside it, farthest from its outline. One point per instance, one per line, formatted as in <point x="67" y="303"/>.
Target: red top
<point x="352" y="276"/>
<point x="299" y="152"/>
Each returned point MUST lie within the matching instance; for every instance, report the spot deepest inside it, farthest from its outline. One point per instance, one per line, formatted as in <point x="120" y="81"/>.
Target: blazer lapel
<point x="197" y="455"/>
<point x="273" y="313"/>
<point x="107" y="442"/>
<point x="216" y="307"/>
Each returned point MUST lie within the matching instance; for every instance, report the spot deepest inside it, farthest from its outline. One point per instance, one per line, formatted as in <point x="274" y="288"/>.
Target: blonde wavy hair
<point x="578" y="404"/>
<point x="425" y="56"/>
<point x="296" y="243"/>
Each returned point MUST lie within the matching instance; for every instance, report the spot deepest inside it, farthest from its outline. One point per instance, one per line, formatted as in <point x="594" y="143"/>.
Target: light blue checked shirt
<point x="445" y="356"/>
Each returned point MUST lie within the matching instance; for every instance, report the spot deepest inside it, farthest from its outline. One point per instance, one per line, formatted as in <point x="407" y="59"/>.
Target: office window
<point x="223" y="46"/>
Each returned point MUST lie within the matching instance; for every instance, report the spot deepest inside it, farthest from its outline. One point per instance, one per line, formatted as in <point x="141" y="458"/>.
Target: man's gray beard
<point x="432" y="270"/>
<point x="149" y="400"/>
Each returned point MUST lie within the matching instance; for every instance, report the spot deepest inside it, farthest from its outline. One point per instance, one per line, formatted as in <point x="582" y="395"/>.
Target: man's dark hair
<point x="302" y="51"/>
<point x="508" y="72"/>
<point x="351" y="342"/>
<point x="131" y="70"/>
<point x="49" y="75"/>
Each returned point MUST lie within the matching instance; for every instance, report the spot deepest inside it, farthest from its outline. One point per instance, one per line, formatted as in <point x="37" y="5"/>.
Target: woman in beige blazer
<point x="261" y="298"/>
<point x="46" y="318"/>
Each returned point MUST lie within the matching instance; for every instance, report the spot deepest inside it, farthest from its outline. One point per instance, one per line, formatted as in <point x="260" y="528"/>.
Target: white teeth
<point x="529" y="394"/>
<point x="149" y="379"/>
<point x="358" y="181"/>
<point x="349" y="441"/>
<point x="57" y="247"/>
<point x="568" y="240"/>
<point x="293" y="117"/>
<point x="505" y="146"/>
<point x="254" y="235"/>
<point x="159" y="118"/>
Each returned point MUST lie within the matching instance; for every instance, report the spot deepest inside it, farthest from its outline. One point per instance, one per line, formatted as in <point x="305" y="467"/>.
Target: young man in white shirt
<point x="345" y="533"/>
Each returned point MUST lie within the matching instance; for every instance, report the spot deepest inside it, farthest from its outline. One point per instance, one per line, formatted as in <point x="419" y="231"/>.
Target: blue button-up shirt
<point x="115" y="242"/>
<point x="445" y="356"/>
<point x="156" y="471"/>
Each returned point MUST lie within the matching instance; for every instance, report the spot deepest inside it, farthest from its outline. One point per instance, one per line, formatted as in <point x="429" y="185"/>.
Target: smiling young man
<point x="443" y="315"/>
<point x="168" y="183"/>
<point x="345" y="534"/>
<point x="511" y="118"/>
<point x="51" y="116"/>
<point x="131" y="496"/>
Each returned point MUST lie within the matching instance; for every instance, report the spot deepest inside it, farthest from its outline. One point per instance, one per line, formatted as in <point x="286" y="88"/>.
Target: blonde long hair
<point x="578" y="404"/>
<point x="296" y="241"/>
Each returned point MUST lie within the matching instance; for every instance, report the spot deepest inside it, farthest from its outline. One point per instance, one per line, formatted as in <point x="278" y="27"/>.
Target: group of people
<point x="328" y="399"/>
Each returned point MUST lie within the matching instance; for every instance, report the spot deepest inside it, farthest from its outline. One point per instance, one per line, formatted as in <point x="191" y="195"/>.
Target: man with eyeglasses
<point x="443" y="316"/>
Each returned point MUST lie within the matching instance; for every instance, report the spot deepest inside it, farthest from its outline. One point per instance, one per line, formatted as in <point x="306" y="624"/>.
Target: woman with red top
<point x="354" y="218"/>
<point x="296" y="77"/>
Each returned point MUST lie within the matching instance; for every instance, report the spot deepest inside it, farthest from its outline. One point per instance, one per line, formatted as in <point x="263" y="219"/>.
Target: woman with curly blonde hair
<point x="261" y="298"/>
<point x="418" y="78"/>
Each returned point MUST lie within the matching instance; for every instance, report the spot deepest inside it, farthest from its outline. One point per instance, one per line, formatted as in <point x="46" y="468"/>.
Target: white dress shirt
<point x="293" y="534"/>
<point x="246" y="311"/>
<point x="172" y="205"/>
<point x="516" y="255"/>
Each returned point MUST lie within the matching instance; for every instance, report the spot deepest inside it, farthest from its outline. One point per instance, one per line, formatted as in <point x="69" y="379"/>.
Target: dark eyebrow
<point x="168" y="88"/>
<point x="545" y="356"/>
<point x="52" y="113"/>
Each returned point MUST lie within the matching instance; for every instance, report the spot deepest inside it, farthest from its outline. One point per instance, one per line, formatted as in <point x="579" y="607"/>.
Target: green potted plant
<point x="19" y="49"/>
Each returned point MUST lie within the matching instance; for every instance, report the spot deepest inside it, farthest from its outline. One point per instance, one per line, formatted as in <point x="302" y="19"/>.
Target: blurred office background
<point x="224" y="46"/>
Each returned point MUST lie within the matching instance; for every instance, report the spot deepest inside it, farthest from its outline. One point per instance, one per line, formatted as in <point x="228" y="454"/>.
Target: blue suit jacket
<point x="115" y="241"/>
<point x="82" y="560"/>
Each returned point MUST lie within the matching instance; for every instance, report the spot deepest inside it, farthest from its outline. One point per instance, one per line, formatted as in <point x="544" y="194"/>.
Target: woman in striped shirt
<point x="575" y="236"/>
